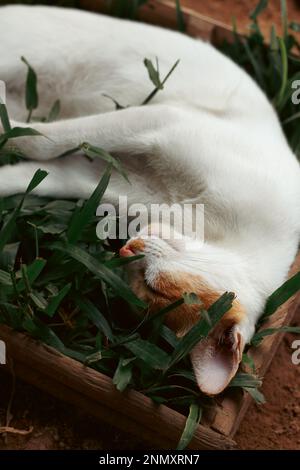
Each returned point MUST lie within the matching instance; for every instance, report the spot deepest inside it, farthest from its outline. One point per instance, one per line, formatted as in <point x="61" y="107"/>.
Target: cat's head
<point x="169" y="268"/>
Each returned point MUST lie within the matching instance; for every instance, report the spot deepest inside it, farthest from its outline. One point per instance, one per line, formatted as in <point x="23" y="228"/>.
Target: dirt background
<point x="55" y="425"/>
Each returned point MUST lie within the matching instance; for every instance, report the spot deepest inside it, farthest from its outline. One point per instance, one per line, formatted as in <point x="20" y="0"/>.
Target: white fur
<point x="210" y="137"/>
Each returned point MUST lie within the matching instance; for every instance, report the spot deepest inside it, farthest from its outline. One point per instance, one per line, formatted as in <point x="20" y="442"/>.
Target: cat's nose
<point x="125" y="251"/>
<point x="132" y="248"/>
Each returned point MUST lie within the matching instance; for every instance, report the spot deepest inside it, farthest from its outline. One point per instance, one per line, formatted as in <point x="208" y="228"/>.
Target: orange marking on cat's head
<point x="224" y="345"/>
<point x="136" y="245"/>
<point x="168" y="287"/>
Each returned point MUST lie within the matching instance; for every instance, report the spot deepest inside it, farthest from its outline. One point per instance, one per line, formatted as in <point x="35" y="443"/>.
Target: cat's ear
<point x="216" y="359"/>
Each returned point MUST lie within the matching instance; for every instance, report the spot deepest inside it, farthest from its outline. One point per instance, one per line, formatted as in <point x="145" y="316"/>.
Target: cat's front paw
<point x="155" y="242"/>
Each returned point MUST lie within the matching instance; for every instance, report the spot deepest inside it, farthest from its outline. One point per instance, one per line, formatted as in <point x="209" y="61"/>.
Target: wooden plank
<point x="96" y="410"/>
<point x="234" y="405"/>
<point x="163" y="13"/>
<point x="73" y="382"/>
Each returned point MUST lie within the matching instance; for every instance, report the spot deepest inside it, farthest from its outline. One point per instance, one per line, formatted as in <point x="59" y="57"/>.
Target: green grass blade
<point x="295" y="26"/>
<point x="281" y="295"/>
<point x="92" y="152"/>
<point x="248" y="361"/>
<point x="169" y="388"/>
<point x="56" y="300"/>
<point x="255" y="64"/>
<point x="160" y="87"/>
<point x="118" y="262"/>
<point x="8" y="228"/>
<point x="180" y="17"/>
<point x="31" y="93"/>
<point x="96" y="317"/>
<point x="260" y="7"/>
<point x="284" y="73"/>
<point x="8" y="256"/>
<point x="101" y="271"/>
<point x="169" y="336"/>
<point x="250" y="384"/>
<point x="191" y="425"/>
<point x="38" y="300"/>
<point x="123" y="374"/>
<point x="170" y="71"/>
<point x="54" y="112"/>
<point x="161" y="313"/>
<point x="284" y="18"/>
<point x="16" y="132"/>
<point x="5" y="278"/>
<point x="260" y="335"/>
<point x="43" y="332"/>
<point x="4" y="117"/>
<point x="273" y="39"/>
<point x="153" y="74"/>
<point x="38" y="177"/>
<point x="149" y="353"/>
<point x="256" y="395"/>
<point x="202" y="328"/>
<point x="83" y="216"/>
<point x="116" y="103"/>
<point x="32" y="273"/>
<point x="291" y="118"/>
<point x="245" y="380"/>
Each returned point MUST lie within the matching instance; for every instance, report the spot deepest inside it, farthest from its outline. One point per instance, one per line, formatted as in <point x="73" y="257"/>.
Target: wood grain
<point x="73" y="382"/>
<point x="163" y="13"/>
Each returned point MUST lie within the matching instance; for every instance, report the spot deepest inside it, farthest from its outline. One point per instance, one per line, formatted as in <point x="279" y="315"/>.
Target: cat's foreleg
<point x="66" y="178"/>
<point x="129" y="130"/>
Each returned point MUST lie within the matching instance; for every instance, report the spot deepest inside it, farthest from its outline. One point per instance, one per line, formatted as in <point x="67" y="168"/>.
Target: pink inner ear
<point x="215" y="364"/>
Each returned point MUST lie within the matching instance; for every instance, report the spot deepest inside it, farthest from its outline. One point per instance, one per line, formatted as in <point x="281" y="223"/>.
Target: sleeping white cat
<point x="210" y="137"/>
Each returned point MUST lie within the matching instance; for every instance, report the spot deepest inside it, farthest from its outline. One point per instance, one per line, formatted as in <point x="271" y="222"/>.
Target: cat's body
<point x="209" y="137"/>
